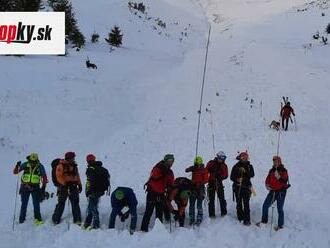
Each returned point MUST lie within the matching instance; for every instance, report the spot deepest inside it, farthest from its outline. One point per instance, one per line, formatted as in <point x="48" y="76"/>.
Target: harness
<point x="31" y="174"/>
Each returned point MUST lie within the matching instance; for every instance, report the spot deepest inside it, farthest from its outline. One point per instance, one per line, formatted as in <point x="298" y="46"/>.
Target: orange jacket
<point x="67" y="173"/>
<point x="199" y="175"/>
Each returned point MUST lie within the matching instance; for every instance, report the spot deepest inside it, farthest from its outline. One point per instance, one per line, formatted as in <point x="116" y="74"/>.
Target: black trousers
<point x="285" y="123"/>
<point x="64" y="192"/>
<point x="243" y="195"/>
<point x="154" y="200"/>
<point x="181" y="219"/>
<point x="219" y="189"/>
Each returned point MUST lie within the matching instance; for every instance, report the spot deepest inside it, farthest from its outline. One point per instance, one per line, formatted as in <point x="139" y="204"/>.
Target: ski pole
<point x="271" y="220"/>
<point x="17" y="186"/>
<point x="123" y="225"/>
<point x="278" y="142"/>
<point x="170" y="224"/>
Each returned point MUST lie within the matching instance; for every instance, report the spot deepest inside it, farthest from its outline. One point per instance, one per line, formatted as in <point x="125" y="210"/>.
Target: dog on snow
<point x="90" y="65"/>
<point x="275" y="125"/>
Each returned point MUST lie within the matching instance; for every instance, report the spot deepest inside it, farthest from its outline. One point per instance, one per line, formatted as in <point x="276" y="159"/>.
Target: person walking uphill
<point x="98" y="181"/>
<point x="67" y="176"/>
<point x="277" y="184"/>
<point x="218" y="171"/>
<point x="241" y="175"/>
<point x="199" y="179"/>
<point x="33" y="174"/>
<point x="159" y="183"/>
<point x="286" y="112"/>
<point x="120" y="198"/>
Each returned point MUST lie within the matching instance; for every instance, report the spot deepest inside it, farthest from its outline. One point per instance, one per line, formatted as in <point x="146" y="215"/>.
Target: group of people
<point x="162" y="189"/>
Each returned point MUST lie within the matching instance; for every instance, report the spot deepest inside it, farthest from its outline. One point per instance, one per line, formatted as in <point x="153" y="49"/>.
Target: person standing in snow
<point x="199" y="179"/>
<point x="33" y="174"/>
<point x="98" y="181"/>
<point x="241" y="175"/>
<point x="286" y="112"/>
<point x="159" y="183"/>
<point x="218" y="171"/>
<point x="67" y="176"/>
<point x="277" y="184"/>
<point x="120" y="198"/>
<point x="180" y="193"/>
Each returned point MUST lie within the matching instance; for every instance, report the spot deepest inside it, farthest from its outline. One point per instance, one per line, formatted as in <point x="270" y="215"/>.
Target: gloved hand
<point x="79" y="188"/>
<point x="268" y="187"/>
<point x="124" y="216"/>
<point x="18" y="164"/>
<point x="277" y="175"/>
<point x="176" y="214"/>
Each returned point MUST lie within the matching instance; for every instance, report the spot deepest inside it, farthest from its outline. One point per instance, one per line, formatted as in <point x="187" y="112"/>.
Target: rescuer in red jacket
<point x="218" y="171"/>
<point x="277" y="184"/>
<point x="286" y="112"/>
<point x="160" y="181"/>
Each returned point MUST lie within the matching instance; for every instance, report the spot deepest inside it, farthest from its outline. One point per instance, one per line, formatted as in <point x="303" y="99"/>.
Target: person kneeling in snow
<point x="180" y="193"/>
<point x="33" y="173"/>
<point x="277" y="184"/>
<point x="120" y="198"/>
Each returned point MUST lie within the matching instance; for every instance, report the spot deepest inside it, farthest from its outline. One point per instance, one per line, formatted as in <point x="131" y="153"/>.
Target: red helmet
<point x="90" y="158"/>
<point x="69" y="155"/>
<point x="241" y="154"/>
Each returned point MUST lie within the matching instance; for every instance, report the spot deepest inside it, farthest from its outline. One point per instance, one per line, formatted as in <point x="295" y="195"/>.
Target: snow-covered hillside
<point x="142" y="103"/>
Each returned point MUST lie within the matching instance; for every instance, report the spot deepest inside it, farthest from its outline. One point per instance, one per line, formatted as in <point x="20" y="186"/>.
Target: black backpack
<point x="102" y="179"/>
<point x="54" y="164"/>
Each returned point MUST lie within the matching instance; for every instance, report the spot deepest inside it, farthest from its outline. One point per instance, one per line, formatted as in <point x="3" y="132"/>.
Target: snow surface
<point x="143" y="100"/>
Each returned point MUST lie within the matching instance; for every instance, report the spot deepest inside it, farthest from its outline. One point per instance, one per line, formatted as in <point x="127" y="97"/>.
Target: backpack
<point x="54" y="164"/>
<point x="182" y="183"/>
<point x="102" y="177"/>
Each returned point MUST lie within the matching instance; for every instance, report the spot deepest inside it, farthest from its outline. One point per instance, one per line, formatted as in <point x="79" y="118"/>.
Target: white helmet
<point x="221" y="155"/>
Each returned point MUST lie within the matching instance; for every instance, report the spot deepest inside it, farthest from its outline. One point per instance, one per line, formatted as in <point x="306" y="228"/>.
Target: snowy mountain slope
<point x="130" y="112"/>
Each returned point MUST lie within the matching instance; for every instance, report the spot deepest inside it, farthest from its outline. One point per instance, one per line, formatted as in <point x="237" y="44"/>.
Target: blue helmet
<point x="221" y="155"/>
